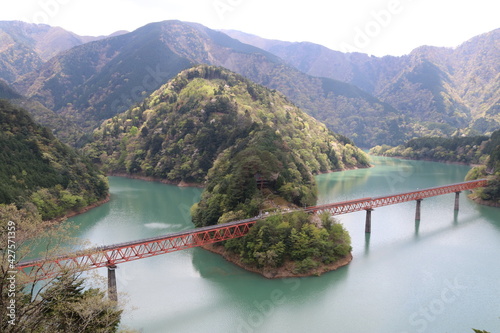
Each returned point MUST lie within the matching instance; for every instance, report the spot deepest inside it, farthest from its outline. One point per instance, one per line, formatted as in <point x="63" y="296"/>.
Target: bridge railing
<point x="111" y="255"/>
<point x="374" y="202"/>
<point x="119" y="253"/>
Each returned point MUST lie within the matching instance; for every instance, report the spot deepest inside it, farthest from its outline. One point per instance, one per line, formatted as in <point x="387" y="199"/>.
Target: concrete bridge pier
<point x="457" y="200"/>
<point x="112" y="293"/>
<point x="368" y="222"/>
<point x="417" y="211"/>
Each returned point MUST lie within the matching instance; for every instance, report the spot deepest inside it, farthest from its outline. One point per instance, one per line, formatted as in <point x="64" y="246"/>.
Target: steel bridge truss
<point x="108" y="256"/>
<point x="371" y="203"/>
<point x="124" y="252"/>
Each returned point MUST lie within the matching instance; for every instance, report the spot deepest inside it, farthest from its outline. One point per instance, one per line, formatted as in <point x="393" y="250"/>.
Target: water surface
<point x="441" y="274"/>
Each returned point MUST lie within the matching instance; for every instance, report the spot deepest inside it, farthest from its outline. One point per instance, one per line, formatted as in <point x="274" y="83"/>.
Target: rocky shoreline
<point x="480" y="201"/>
<point x="286" y="271"/>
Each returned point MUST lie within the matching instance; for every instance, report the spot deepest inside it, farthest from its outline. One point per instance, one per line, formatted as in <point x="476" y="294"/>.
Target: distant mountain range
<point x="443" y="87"/>
<point x="24" y="47"/>
<point x="371" y="100"/>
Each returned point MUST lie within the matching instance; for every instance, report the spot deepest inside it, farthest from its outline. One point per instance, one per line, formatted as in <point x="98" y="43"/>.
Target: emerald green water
<point x="439" y="275"/>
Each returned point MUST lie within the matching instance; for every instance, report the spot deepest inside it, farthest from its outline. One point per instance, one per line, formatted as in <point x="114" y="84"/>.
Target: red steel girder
<point x="124" y="252"/>
<point x="370" y="203"/>
<point x="144" y="248"/>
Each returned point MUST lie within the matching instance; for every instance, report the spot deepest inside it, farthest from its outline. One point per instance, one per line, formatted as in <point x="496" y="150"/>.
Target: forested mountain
<point x="388" y="100"/>
<point x="24" y="46"/>
<point x="483" y="151"/>
<point x="251" y="148"/>
<point x="182" y="128"/>
<point x="37" y="170"/>
<point x="64" y="129"/>
<point x="438" y="90"/>
<point x="95" y="81"/>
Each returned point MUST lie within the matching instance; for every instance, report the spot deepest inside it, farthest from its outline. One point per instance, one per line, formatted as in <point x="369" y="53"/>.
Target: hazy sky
<point x="377" y="27"/>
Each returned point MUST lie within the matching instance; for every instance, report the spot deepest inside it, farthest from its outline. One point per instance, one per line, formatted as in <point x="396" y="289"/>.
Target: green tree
<point x="58" y="305"/>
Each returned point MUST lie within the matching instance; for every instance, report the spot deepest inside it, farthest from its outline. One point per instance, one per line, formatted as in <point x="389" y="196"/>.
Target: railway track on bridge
<point x="111" y="255"/>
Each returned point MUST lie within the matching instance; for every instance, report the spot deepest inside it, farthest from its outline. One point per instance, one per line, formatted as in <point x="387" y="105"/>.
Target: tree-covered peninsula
<point x="40" y="173"/>
<point x="252" y="150"/>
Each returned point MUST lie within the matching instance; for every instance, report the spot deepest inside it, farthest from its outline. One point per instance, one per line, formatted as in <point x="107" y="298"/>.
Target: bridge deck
<point x="123" y="252"/>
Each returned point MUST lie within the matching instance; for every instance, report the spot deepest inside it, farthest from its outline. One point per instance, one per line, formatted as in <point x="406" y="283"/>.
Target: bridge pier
<point x="457" y="200"/>
<point x="417" y="211"/>
<point x="368" y="222"/>
<point x="112" y="293"/>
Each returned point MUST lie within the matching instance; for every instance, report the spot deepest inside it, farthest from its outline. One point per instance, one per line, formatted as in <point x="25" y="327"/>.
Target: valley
<point x="259" y="126"/>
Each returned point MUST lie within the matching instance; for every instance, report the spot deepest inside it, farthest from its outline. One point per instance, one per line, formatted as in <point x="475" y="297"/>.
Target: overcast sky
<point x="378" y="27"/>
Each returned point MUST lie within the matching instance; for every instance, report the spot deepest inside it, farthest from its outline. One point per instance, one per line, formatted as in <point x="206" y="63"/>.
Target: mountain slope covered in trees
<point x="97" y="80"/>
<point x="252" y="149"/>
<point x="209" y="116"/>
<point x="38" y="171"/>
<point x="438" y="90"/>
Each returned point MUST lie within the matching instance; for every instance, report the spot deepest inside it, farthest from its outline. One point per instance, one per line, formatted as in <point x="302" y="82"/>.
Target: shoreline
<point x="81" y="211"/>
<point x="471" y="196"/>
<point x="201" y="185"/>
<point x="155" y="179"/>
<point x="428" y="160"/>
<point x="286" y="271"/>
<point x="482" y="202"/>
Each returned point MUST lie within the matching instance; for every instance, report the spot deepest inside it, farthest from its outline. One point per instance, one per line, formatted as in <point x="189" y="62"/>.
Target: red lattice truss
<point x="144" y="248"/>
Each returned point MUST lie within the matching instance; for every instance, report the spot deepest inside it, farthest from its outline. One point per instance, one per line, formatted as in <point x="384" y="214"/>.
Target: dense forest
<point x="178" y="132"/>
<point x="252" y="148"/>
<point x="40" y="172"/>
<point x="292" y="240"/>
<point x="482" y="150"/>
<point x="489" y="195"/>
<point x="468" y="150"/>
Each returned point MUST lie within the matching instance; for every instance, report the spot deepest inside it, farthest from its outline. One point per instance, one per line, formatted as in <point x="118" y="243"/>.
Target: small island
<point x="290" y="245"/>
<point x="254" y="152"/>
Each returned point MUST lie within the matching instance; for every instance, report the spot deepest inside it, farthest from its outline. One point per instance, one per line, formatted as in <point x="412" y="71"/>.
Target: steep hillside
<point x="177" y="133"/>
<point x="24" y="47"/>
<point x="64" y="129"/>
<point x="95" y="81"/>
<point x="6" y="91"/>
<point x="39" y="171"/>
<point x="439" y="90"/>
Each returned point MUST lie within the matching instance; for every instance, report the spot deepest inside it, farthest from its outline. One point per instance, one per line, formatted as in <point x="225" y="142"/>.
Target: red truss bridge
<point x="111" y="255"/>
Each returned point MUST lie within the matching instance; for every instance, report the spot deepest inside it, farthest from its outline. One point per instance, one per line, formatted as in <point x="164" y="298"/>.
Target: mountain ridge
<point x="26" y="46"/>
<point x="459" y="86"/>
<point x="372" y="100"/>
<point x="94" y="81"/>
<point x="195" y="117"/>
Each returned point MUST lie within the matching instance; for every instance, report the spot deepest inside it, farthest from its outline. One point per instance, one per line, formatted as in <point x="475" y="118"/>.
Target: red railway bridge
<point x="111" y="255"/>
